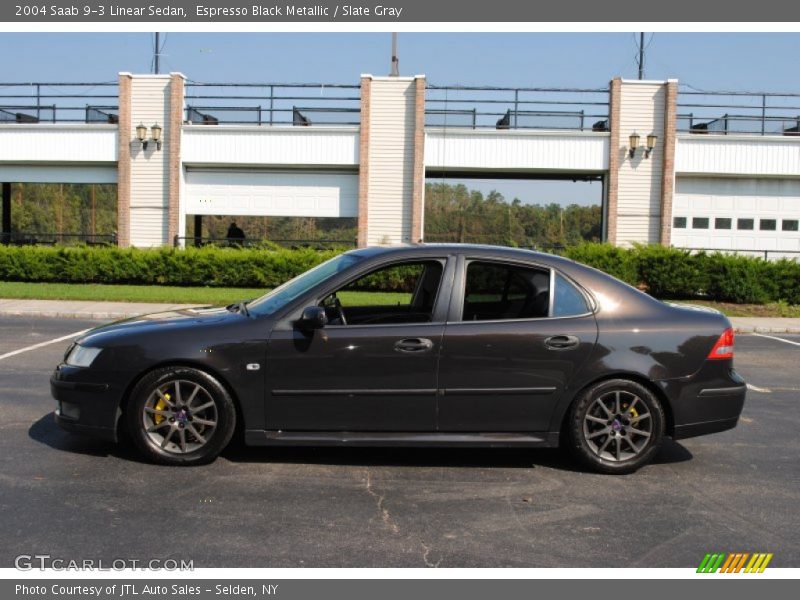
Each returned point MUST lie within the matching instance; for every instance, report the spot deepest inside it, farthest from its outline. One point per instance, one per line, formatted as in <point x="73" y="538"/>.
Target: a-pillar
<point x="149" y="171"/>
<point x="640" y="188"/>
<point x="391" y="191"/>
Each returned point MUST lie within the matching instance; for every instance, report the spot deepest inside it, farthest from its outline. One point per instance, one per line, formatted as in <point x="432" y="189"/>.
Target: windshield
<point x="294" y="288"/>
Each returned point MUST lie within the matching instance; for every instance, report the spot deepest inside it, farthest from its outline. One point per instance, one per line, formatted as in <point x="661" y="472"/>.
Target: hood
<point x="158" y="322"/>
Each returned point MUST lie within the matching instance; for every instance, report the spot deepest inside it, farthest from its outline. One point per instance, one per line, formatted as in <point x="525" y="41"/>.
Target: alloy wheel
<point x="617" y="426"/>
<point x="179" y="416"/>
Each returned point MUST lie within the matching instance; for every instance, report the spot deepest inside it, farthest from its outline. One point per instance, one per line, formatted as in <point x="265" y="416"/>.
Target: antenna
<point x="395" y="60"/>
<point x="641" y="56"/>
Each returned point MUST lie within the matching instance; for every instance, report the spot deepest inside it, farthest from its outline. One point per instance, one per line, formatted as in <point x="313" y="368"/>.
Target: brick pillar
<point x="612" y="190"/>
<point x="173" y="146"/>
<point x="363" y="161"/>
<point x="668" y="172"/>
<point x="124" y="162"/>
<point x="418" y="193"/>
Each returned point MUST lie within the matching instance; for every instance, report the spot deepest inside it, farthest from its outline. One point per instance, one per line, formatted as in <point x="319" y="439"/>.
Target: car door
<point x="515" y="337"/>
<point x="373" y="371"/>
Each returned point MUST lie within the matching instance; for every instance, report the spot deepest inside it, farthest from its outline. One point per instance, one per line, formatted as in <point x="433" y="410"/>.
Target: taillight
<point x="724" y="346"/>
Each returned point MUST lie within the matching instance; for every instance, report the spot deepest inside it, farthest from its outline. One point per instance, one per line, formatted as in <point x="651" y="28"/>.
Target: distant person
<point x="235" y="234"/>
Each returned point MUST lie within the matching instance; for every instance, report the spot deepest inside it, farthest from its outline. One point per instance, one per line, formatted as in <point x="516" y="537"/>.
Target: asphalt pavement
<point x="76" y="498"/>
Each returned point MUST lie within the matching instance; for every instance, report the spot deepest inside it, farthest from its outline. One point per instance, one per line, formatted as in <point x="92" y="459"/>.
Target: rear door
<point x="515" y="337"/>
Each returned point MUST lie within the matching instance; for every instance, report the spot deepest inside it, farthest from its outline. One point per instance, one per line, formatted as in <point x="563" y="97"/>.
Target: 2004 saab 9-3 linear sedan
<point x="421" y="345"/>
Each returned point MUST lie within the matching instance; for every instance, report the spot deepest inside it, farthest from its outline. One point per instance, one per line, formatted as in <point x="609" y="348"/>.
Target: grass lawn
<point x="167" y="294"/>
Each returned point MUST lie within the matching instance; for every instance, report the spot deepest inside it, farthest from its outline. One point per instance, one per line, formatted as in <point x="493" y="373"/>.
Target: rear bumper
<point x="708" y="402"/>
<point x="85" y="407"/>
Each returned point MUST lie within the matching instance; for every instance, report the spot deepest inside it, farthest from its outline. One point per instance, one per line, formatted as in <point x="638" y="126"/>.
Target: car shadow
<point x="47" y="432"/>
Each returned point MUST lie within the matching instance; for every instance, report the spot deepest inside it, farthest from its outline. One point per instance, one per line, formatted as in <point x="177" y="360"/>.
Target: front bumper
<point x="85" y="405"/>
<point x="708" y="402"/>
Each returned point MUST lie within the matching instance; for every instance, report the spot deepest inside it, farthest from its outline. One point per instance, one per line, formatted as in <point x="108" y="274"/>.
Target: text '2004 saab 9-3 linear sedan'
<point x="425" y="345"/>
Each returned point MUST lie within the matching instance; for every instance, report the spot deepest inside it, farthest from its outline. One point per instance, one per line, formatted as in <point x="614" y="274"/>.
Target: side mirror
<point x="313" y="317"/>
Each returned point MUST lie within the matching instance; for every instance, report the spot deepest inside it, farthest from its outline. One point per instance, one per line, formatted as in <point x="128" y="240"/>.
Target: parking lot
<point x="76" y="498"/>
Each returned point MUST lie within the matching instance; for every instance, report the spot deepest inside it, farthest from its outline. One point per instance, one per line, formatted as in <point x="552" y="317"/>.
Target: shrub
<point x="615" y="261"/>
<point x="670" y="272"/>
<point x="666" y="272"/>
<point x="739" y="279"/>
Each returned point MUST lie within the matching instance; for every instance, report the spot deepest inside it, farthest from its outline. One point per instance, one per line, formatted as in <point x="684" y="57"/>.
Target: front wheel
<point x="616" y="426"/>
<point x="180" y="416"/>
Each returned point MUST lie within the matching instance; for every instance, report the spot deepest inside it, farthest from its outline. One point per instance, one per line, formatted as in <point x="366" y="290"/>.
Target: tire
<point x="180" y="416"/>
<point x="619" y="438"/>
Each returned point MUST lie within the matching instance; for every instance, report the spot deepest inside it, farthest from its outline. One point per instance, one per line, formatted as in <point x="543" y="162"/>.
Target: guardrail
<point x="730" y="113"/>
<point x="472" y="107"/>
<point x="299" y="104"/>
<point x="322" y="244"/>
<point x="26" y="103"/>
<point x="765" y="254"/>
<point x="52" y="239"/>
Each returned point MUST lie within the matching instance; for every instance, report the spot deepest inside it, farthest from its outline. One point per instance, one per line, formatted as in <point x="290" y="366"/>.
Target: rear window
<point x="568" y="300"/>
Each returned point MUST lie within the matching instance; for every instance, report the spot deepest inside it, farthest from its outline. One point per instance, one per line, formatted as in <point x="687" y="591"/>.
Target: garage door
<point x="271" y="193"/>
<point x="737" y="214"/>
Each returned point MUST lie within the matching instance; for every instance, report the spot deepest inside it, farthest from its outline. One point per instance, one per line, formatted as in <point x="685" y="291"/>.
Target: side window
<point x="399" y="293"/>
<point x="567" y="300"/>
<point x="497" y="291"/>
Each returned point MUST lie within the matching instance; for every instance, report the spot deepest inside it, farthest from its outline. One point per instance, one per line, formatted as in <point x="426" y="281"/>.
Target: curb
<point x="751" y="329"/>
<point x="50" y="314"/>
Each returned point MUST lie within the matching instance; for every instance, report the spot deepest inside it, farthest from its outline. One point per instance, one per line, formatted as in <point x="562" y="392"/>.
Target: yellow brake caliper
<point x="160" y="405"/>
<point x="634" y="413"/>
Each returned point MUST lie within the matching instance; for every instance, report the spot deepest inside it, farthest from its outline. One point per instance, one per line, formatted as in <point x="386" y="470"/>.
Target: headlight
<point x="82" y="356"/>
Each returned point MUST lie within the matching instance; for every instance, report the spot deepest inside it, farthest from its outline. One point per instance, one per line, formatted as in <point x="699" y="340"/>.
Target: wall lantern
<point x="651" y="143"/>
<point x="155" y="131"/>
<point x="633" y="144"/>
<point x="155" y="135"/>
<point x="141" y="134"/>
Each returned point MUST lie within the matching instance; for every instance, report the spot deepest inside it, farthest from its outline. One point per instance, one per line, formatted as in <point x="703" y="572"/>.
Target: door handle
<point x="561" y="342"/>
<point x="411" y="345"/>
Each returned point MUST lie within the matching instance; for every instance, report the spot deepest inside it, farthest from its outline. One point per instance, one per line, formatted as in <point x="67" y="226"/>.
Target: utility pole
<point x="395" y="60"/>
<point x="157" y="55"/>
<point x="641" y="55"/>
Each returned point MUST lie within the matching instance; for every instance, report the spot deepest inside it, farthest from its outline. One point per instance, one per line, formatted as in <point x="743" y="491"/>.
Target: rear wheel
<point x="616" y="426"/>
<point x="180" y="416"/>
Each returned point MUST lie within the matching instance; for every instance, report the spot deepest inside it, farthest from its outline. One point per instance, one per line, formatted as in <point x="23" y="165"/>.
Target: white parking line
<point x="772" y="337"/>
<point x="761" y="390"/>
<point x="41" y="344"/>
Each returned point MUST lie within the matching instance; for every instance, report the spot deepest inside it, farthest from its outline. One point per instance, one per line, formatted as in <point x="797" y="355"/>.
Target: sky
<point x="706" y="61"/>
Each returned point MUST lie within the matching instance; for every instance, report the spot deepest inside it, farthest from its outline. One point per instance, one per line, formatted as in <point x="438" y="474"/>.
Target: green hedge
<point x="679" y="274"/>
<point x="664" y="272"/>
<point x="209" y="266"/>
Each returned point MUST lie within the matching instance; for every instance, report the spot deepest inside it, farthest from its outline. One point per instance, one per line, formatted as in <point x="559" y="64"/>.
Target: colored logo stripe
<point x="734" y="562"/>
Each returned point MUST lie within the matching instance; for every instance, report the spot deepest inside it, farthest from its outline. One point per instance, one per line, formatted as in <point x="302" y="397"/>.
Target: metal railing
<point x="731" y="113"/>
<point x="59" y="103"/>
<point x="765" y="254"/>
<point x="22" y="238"/>
<point x="299" y="104"/>
<point x="572" y="109"/>
<point x="321" y="244"/>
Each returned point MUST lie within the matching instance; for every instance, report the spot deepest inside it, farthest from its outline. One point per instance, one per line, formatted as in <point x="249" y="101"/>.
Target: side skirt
<point x="410" y="439"/>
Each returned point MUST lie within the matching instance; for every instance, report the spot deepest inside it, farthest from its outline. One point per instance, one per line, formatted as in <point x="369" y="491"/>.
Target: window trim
<point x="456" y="313"/>
<point x="445" y="262"/>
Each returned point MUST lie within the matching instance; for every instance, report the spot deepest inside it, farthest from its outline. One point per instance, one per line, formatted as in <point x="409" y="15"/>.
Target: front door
<point x="511" y="348"/>
<point x="373" y="367"/>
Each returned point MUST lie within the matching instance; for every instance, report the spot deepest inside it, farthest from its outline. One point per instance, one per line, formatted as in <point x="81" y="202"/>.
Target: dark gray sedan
<point x="423" y="345"/>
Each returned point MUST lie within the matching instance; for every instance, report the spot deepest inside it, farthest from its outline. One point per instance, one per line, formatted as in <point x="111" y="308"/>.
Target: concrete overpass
<point x="710" y="180"/>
